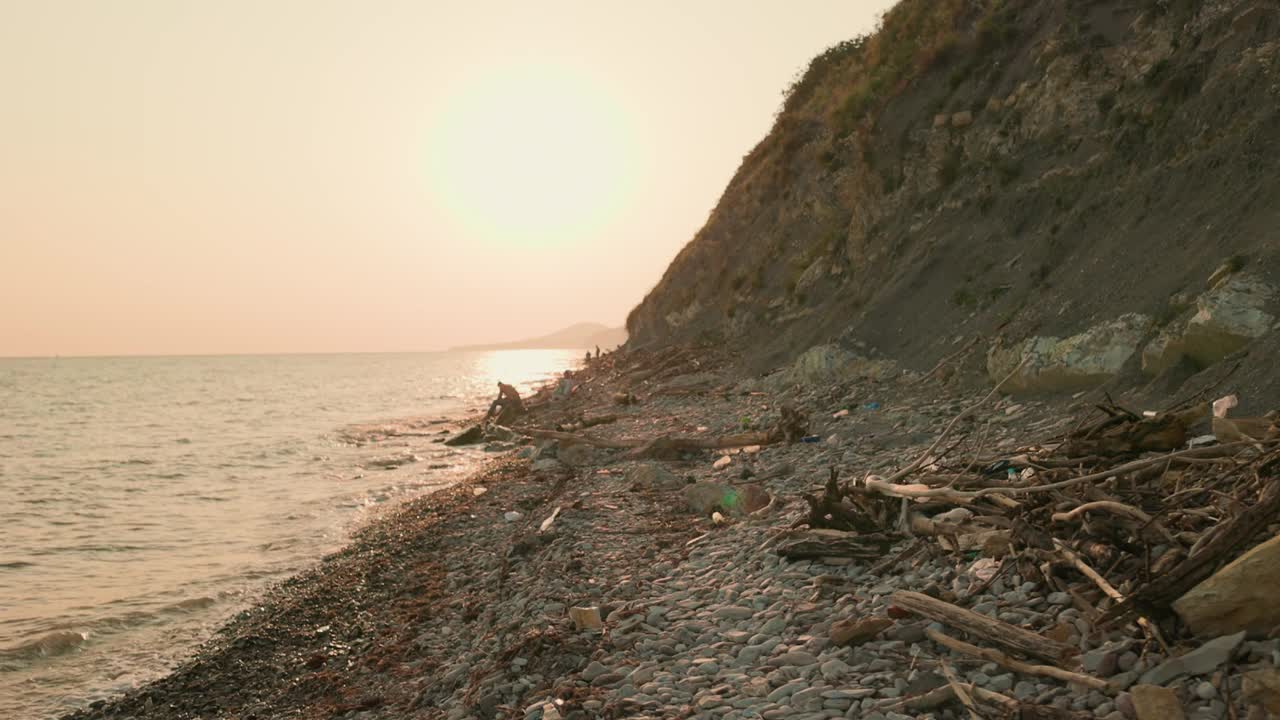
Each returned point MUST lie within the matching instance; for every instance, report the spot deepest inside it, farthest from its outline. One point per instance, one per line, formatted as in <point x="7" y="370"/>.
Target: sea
<point x="146" y="500"/>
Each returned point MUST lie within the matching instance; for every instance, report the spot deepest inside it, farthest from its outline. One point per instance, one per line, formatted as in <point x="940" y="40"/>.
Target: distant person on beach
<point x="597" y="352"/>
<point x="565" y="387"/>
<point x="507" y="402"/>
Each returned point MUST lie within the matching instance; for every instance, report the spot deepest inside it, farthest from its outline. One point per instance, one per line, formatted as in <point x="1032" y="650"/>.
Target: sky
<point x="256" y="176"/>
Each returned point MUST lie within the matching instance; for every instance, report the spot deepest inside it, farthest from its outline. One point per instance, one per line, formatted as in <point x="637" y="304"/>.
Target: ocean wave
<point x="190" y="605"/>
<point x="53" y="644"/>
<point x="16" y="565"/>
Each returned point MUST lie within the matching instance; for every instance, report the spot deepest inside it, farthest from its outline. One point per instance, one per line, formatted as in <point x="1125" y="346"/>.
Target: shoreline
<point x="456" y="605"/>
<point x="396" y="454"/>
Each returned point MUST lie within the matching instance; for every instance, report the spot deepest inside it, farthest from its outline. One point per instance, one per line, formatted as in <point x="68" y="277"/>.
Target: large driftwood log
<point x="1023" y="642"/>
<point x="833" y="543"/>
<point x="1005" y="661"/>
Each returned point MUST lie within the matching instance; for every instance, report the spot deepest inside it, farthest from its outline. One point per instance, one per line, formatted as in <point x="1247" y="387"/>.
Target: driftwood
<point x="829" y="510"/>
<point x="1156" y="597"/>
<point x="811" y="544"/>
<point x="962" y="694"/>
<point x="1005" y="661"/>
<point x="886" y="486"/>
<point x="940" y="696"/>
<point x="1125" y="432"/>
<point x="1021" y="641"/>
<point x="1118" y="508"/>
<point x="1031" y="711"/>
<point x="1109" y="590"/>
<point x="676" y="358"/>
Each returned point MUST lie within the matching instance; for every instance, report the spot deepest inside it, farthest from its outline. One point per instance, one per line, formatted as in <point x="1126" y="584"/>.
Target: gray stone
<point x="593" y="670"/>
<point x="733" y="612"/>
<point x="1203" y="660"/>
<point x="785" y="691"/>
<point x="773" y="626"/>
<point x="546" y="465"/>
<point x="1102" y="663"/>
<point x="653" y="475"/>
<point x="806" y="699"/>
<point x="834" y="669"/>
<point x="1001" y="683"/>
<point x="798" y="658"/>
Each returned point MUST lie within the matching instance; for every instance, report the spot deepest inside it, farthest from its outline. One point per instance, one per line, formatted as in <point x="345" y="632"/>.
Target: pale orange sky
<point x="319" y="176"/>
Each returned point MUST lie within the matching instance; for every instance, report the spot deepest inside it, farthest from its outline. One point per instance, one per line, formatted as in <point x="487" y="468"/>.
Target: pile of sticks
<point x="1121" y="515"/>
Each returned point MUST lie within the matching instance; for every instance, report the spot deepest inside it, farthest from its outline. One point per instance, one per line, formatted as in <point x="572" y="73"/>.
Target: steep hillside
<point x="1020" y="170"/>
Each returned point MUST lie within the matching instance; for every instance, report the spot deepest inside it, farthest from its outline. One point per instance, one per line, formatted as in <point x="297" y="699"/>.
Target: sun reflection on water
<point x="525" y="368"/>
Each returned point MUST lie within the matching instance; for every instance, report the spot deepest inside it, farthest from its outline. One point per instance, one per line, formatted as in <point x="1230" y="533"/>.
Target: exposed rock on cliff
<point x="1081" y="361"/>
<point x="1227" y="318"/>
<point x="1020" y="170"/>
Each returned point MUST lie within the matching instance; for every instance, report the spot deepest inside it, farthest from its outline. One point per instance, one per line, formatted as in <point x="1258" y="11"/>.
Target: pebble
<point x="798" y="658"/>
<point x="1001" y="683"/>
<point x="733" y="612"/>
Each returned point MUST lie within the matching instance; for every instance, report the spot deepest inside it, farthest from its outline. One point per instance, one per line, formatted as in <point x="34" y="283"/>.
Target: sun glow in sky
<point x="535" y="156"/>
<point x="180" y="176"/>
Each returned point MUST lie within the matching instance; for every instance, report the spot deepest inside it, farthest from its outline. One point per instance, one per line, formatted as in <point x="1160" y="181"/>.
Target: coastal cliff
<point x="1071" y="180"/>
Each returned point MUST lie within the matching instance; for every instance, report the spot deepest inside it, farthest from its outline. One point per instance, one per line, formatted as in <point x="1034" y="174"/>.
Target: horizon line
<point x="121" y="356"/>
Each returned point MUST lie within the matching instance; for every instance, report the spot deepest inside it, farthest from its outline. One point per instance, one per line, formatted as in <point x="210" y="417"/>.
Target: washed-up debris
<point x="586" y="618"/>
<point x="856" y="632"/>
<point x="546" y="524"/>
<point x="1083" y="514"/>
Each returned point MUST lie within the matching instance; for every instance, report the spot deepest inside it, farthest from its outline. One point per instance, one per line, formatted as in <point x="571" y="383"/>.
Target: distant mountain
<point x="574" y="337"/>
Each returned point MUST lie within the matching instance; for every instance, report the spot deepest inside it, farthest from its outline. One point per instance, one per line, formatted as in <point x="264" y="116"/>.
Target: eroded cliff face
<point x="1018" y="170"/>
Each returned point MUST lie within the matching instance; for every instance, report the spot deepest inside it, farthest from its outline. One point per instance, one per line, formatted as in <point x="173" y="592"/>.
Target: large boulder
<point x="1233" y="313"/>
<point x="1079" y="362"/>
<point x="1240" y="596"/>
<point x="707" y="497"/>
<point x="829" y="364"/>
